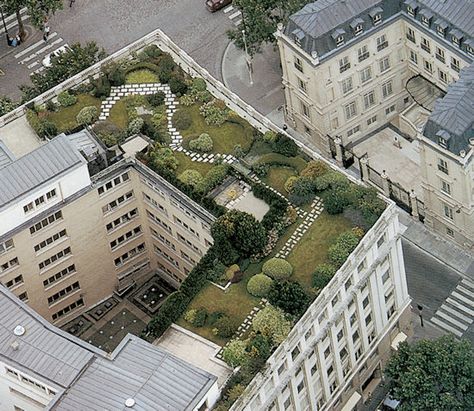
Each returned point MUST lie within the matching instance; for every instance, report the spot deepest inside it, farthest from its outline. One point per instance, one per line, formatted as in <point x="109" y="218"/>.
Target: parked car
<point x="47" y="60"/>
<point x="214" y="5"/>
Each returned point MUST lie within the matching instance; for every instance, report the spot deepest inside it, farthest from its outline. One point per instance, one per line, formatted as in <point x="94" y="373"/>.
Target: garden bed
<point x="276" y="177"/>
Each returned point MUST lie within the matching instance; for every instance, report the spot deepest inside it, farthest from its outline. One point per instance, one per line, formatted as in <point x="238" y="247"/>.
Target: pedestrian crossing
<point x="233" y="14"/>
<point x="456" y="314"/>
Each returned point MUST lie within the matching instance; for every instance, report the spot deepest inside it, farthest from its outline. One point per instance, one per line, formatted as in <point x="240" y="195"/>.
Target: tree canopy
<point x="433" y="375"/>
<point x="260" y="19"/>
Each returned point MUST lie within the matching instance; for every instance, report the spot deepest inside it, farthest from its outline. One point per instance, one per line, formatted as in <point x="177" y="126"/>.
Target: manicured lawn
<point x="277" y="176"/>
<point x="118" y="114"/>
<point x="313" y="246"/>
<point x="185" y="163"/>
<point x="285" y="237"/>
<point x="65" y="117"/>
<point x="274" y="158"/>
<point x="141" y="77"/>
<point x="236" y="302"/>
<point x="259" y="148"/>
<point x="225" y="137"/>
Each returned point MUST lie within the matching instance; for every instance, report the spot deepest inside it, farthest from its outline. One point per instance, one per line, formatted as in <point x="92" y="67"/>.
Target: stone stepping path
<point x="308" y="220"/>
<point x="245" y="326"/>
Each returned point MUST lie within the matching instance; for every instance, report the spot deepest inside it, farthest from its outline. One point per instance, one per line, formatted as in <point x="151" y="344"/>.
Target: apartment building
<point x="334" y="356"/>
<point x="44" y="368"/>
<point x="70" y="239"/>
<point x="351" y="68"/>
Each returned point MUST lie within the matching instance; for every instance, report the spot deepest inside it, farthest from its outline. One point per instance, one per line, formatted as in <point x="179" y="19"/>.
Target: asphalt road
<point x="115" y="23"/>
<point x="430" y="284"/>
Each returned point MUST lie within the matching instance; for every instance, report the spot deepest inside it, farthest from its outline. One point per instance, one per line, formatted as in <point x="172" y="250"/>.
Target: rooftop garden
<point x="260" y="275"/>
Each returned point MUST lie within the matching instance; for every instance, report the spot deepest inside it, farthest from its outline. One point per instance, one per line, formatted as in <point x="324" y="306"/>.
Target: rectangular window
<point x="381" y="240"/>
<point x="363" y="53"/>
<point x="305" y="110"/>
<point x="390" y="109"/>
<point x="382" y="42"/>
<point x="366" y="74"/>
<point x="425" y="21"/>
<point x="55" y="258"/>
<point x="346" y="85"/>
<point x="450" y="232"/>
<point x="411" y="35"/>
<point x="353" y="131"/>
<point x="440" y="55"/>
<point x="63" y="293"/>
<point x="387" y="89"/>
<point x="344" y="64"/>
<point x="385" y="276"/>
<point x="369" y="99"/>
<point x="372" y="120"/>
<point x="124" y="219"/>
<point x="126" y="257"/>
<point x="8" y="265"/>
<point x="68" y="309"/>
<point x="384" y="64"/>
<point x="350" y="110"/>
<point x="428" y="66"/>
<point x="14" y="282"/>
<point x="185" y="226"/>
<point x="113" y="183"/>
<point x="59" y="276"/>
<point x="129" y="235"/>
<point x="38" y="202"/>
<point x="443" y="76"/>
<point x="448" y="212"/>
<point x="413" y="57"/>
<point x="117" y="202"/>
<point x="6" y="246"/>
<point x="443" y="165"/>
<point x="445" y="187"/>
<point x="158" y="221"/>
<point x="339" y="41"/>
<point x="58" y="215"/>
<point x="425" y="45"/>
<point x="298" y="64"/>
<point x="302" y="85"/>
<point x="23" y="296"/>
<point x="50" y="240"/>
<point x="455" y="64"/>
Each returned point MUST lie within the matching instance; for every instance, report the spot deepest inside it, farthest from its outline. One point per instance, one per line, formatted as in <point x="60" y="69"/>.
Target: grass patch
<point x="118" y="114"/>
<point x="259" y="148"/>
<point x="274" y="158"/>
<point x="142" y="76"/>
<point x="312" y="249"/>
<point x="225" y="137"/>
<point x="185" y="163"/>
<point x="65" y="117"/>
<point x="277" y="176"/>
<point x="236" y="303"/>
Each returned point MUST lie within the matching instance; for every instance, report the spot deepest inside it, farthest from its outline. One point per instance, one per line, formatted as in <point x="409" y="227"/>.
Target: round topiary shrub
<point x="87" y="115"/>
<point x="65" y="99"/>
<point x="203" y="143"/>
<point x="289" y="183"/>
<point x="225" y="327"/>
<point x="191" y="177"/>
<point x="177" y="85"/>
<point x="156" y="99"/>
<point x="259" y="285"/>
<point x="182" y="119"/>
<point x="277" y="268"/>
<point x="135" y="125"/>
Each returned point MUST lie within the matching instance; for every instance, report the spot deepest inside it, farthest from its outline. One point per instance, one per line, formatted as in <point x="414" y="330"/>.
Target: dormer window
<point x="425" y="21"/>
<point x="443" y="138"/>
<point x="470" y="50"/>
<point x="441" y="27"/>
<point x="338" y="37"/>
<point x="456" y="37"/>
<point x="298" y="36"/>
<point x="455" y="40"/>
<point x="358" y="26"/>
<point x="376" y="15"/>
<point x="411" y="7"/>
<point x="426" y="17"/>
<point x="440" y="31"/>
<point x="411" y="11"/>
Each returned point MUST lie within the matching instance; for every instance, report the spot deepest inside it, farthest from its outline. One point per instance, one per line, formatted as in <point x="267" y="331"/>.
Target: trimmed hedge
<point x="277" y="268"/>
<point x="277" y="205"/>
<point x="280" y="160"/>
<point x="259" y="285"/>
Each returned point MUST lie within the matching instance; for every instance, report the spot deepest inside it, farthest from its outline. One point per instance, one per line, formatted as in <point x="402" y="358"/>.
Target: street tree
<point x="260" y="19"/>
<point x="38" y="10"/>
<point x="433" y="375"/>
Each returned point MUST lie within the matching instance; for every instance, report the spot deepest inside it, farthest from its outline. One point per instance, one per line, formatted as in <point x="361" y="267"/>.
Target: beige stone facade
<point x="128" y="225"/>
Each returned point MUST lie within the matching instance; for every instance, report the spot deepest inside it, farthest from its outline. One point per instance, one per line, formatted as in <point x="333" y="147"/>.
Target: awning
<point x="352" y="402"/>
<point x="399" y="338"/>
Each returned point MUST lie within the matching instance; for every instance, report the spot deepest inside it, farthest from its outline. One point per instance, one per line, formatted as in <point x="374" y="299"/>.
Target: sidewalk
<point x="446" y="252"/>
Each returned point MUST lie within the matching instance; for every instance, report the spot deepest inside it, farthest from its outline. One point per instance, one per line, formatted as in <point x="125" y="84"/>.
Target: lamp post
<point x="4" y="24"/>
<point x="247" y="57"/>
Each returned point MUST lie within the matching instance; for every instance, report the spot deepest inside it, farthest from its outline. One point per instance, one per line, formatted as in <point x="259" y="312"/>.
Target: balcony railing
<point x="426" y="47"/>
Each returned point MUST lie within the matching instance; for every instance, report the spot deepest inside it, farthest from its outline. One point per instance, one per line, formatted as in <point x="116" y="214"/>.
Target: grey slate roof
<point x="87" y="378"/>
<point x="6" y="156"/>
<point x="41" y="349"/>
<point x="154" y="378"/>
<point x="454" y="113"/>
<point x="35" y="168"/>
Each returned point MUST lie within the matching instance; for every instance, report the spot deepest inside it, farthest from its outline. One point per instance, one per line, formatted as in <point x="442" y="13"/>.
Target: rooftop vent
<point x="15" y="345"/>
<point x="19" y="330"/>
<point x="129" y="402"/>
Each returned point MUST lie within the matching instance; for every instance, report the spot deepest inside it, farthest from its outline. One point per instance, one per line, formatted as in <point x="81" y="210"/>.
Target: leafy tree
<point x="433" y="375"/>
<point x="203" y="143"/>
<point x="6" y="105"/>
<point x="87" y="115"/>
<point x="323" y="274"/>
<point x="285" y="146"/>
<point x="225" y="326"/>
<point x="341" y="249"/>
<point x="66" y="99"/>
<point x="258" y="346"/>
<point x="135" y="125"/>
<point x="191" y="177"/>
<point x="163" y="158"/>
<point x="38" y="10"/>
<point x="289" y="296"/>
<point x="235" y="353"/>
<point x="302" y="191"/>
<point x="336" y="199"/>
<point x="261" y="18"/>
<point x="63" y="66"/>
<point x="259" y="285"/>
<point x="272" y="323"/>
<point x="315" y="168"/>
<point x="241" y="230"/>
<point x="182" y="119"/>
<point x="277" y="268"/>
<point x="156" y="99"/>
